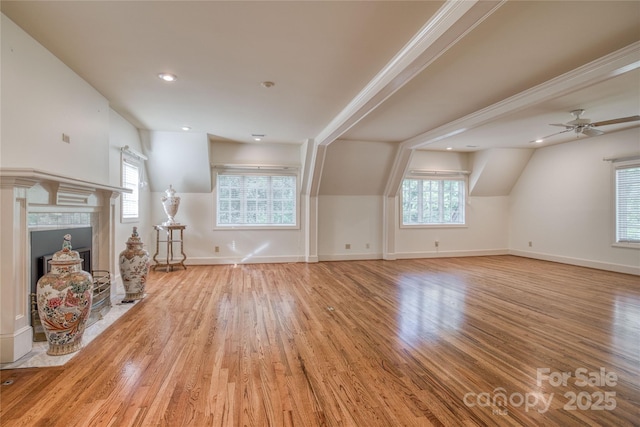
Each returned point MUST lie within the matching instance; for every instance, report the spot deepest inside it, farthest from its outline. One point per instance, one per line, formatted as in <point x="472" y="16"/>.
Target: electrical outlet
<point x="437" y="244"/>
<point x="66" y="138"/>
<point x="217" y="249"/>
<point x="347" y="246"/>
<point x="368" y="246"/>
<point x="530" y="243"/>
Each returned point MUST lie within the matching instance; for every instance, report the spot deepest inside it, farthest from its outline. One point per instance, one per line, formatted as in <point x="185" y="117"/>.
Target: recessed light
<point x="449" y="148"/>
<point x="257" y="136"/>
<point x="185" y="128"/>
<point x="539" y="141"/>
<point x="168" y="77"/>
<point x="267" y="84"/>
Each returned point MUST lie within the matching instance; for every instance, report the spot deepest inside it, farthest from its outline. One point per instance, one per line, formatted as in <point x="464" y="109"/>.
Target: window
<point x="131" y="180"/>
<point x="256" y="200"/>
<point x="627" y="204"/>
<point x="433" y="201"/>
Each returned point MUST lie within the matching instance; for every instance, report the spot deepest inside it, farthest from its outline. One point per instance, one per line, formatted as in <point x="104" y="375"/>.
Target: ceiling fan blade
<point x="553" y="134"/>
<point x="616" y="121"/>
<point x="561" y="124"/>
<point x="592" y="132"/>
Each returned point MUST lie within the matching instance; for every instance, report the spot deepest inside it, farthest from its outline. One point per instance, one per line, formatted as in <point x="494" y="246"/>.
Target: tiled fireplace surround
<point x="28" y="191"/>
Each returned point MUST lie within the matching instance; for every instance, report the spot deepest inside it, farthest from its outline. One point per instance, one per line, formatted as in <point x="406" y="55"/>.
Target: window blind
<point x="433" y="201"/>
<point x="628" y="204"/>
<point x="131" y="180"/>
<point x="251" y="200"/>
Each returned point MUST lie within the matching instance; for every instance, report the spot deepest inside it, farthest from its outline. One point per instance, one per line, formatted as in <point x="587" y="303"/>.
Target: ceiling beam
<point x="452" y="22"/>
<point x="609" y="66"/>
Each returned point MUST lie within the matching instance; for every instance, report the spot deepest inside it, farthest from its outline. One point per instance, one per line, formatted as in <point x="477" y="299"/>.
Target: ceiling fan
<point x="585" y="127"/>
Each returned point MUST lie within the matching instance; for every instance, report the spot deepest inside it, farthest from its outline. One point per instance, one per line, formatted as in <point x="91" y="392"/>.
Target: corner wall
<point x="563" y="204"/>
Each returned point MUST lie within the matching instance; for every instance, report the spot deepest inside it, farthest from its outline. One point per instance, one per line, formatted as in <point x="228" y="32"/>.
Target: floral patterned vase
<point x="134" y="267"/>
<point x="170" y="203"/>
<point x="64" y="301"/>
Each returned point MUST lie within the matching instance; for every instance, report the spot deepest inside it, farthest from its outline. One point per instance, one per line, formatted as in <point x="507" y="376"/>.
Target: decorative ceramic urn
<point x="64" y="301"/>
<point x="170" y="203"/>
<point x="134" y="267"/>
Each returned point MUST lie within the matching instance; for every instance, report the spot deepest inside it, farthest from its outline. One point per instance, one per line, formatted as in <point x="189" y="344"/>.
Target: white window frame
<point x="134" y="185"/>
<point x="436" y="176"/>
<point x="270" y="173"/>
<point x="617" y="166"/>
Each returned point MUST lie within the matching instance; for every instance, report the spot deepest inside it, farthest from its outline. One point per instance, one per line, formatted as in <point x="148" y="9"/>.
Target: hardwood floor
<point x="364" y="343"/>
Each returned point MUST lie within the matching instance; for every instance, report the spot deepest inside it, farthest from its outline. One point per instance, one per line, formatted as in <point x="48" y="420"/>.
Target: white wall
<point x="353" y="220"/>
<point x="563" y="204"/>
<point x="41" y="99"/>
<point x="122" y="133"/>
<point x="180" y="159"/>
<point x="485" y="231"/>
<point x="197" y="212"/>
<point x="236" y="246"/>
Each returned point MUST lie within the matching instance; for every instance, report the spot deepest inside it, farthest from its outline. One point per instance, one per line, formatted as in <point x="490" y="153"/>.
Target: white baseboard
<point x="14" y="346"/>
<point x="618" y="268"/>
<point x="450" y="254"/>
<point x="248" y="260"/>
<point x="350" y="257"/>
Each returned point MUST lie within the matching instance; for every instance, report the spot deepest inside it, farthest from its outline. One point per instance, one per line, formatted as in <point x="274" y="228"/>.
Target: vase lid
<point x="134" y="239"/>
<point x="66" y="255"/>
<point x="170" y="191"/>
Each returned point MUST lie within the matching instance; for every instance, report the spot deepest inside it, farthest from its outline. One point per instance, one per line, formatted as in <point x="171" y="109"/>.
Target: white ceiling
<point x="322" y="54"/>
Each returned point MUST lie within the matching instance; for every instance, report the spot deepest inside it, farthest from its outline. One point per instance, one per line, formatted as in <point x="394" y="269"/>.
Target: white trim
<point x="274" y="259"/>
<point x="451" y="254"/>
<point x="617" y="268"/>
<point x="351" y="257"/>
<point x="420" y="173"/>
<point x="617" y="164"/>
<point x="131" y="152"/>
<point x="31" y="177"/>
<point x="16" y="345"/>
<point x="627" y="158"/>
<point x="243" y="168"/>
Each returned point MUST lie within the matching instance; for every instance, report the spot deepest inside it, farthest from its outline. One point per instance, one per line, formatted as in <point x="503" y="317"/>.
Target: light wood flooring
<point x="365" y="343"/>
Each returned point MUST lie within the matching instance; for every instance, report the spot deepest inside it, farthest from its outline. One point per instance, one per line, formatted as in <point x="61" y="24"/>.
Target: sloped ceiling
<point x="357" y="168"/>
<point x="415" y="74"/>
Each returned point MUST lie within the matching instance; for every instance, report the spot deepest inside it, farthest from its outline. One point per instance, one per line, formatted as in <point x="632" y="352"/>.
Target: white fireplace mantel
<point x="23" y="191"/>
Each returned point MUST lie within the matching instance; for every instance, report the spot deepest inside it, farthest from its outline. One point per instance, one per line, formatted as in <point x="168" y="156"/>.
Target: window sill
<point x="433" y="226"/>
<point x="626" y="245"/>
<point x="255" y="227"/>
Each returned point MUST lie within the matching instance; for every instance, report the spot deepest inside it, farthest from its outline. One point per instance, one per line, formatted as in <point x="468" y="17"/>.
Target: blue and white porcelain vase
<point x="134" y="267"/>
<point x="64" y="301"/>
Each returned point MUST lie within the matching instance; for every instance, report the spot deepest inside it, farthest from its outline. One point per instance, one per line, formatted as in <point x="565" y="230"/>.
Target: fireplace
<point x="35" y="201"/>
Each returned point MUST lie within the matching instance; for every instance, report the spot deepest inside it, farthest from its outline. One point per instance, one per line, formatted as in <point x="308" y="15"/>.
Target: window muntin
<point x="129" y="208"/>
<point x="252" y="200"/>
<point x="627" y="203"/>
<point x="433" y="201"/>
